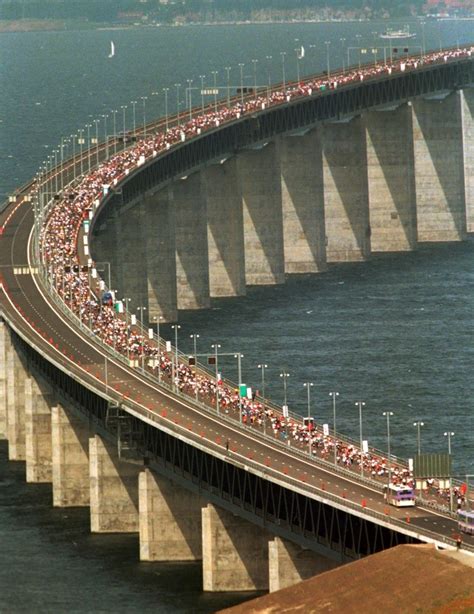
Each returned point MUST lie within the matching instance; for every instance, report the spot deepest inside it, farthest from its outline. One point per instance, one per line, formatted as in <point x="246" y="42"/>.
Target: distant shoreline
<point x="50" y="25"/>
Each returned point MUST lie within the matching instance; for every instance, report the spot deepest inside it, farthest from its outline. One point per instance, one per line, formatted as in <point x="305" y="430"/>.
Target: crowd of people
<point x="74" y="284"/>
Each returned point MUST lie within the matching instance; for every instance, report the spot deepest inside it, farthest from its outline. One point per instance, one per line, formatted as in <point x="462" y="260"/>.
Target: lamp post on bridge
<point x="97" y="122"/>
<point x="358" y="37"/>
<point x="262" y="368"/>
<point x="450" y="434"/>
<point x="114" y="125"/>
<point x="284" y="375"/>
<point x="141" y="310"/>
<point x="418" y="425"/>
<point x="203" y="77"/>
<point x="269" y="76"/>
<point x="334" y="395"/>
<point x="177" y="86"/>
<point x="176" y="328"/>
<point x="104" y="117"/>
<point x="126" y="301"/>
<point x="327" y="43"/>
<point x="214" y="73"/>
<point x="283" y="54"/>
<point x="195" y="337"/>
<point x="343" y="40"/>
<point x="166" y="90"/>
<point x="255" y="62"/>
<point x="190" y="101"/>
<point x="239" y="357"/>
<point x="216" y="347"/>
<point x="388" y="415"/>
<point x="124" y="108"/>
<point x="360" y="405"/>
<point x="144" y="99"/>
<point x="157" y="320"/>
<point x="241" y="66"/>
<point x="134" y="118"/>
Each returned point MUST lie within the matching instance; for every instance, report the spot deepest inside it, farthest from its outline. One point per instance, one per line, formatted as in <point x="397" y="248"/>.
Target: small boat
<point x="300" y="53"/>
<point x="398" y="34"/>
<point x="112" y="49"/>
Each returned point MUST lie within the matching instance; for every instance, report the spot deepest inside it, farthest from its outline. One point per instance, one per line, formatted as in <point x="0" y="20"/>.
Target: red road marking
<point x="364" y="503"/>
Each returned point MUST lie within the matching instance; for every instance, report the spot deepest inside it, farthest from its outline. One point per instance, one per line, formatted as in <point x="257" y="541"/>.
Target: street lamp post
<point x="283" y="54"/>
<point x="202" y="77"/>
<point x="96" y="122"/>
<point x="166" y="90"/>
<point x="334" y="395"/>
<point x="144" y="99"/>
<point x="285" y="376"/>
<point x="124" y="108"/>
<point x="157" y="320"/>
<point x="239" y="357"/>
<point x="327" y="43"/>
<point x="241" y="66"/>
<point x="134" y="117"/>
<point x="360" y="405"/>
<point x="176" y="328"/>
<point x="418" y="425"/>
<point x="388" y="414"/>
<point x="177" y="86"/>
<point x="262" y="368"/>
<point x="114" y="125"/>
<point x="308" y="386"/>
<point x="104" y="117"/>
<point x="343" y="40"/>
<point x="358" y="37"/>
<point x="255" y="62"/>
<point x="216" y="347"/>
<point x="269" y="74"/>
<point x="195" y="337"/>
<point x="228" y="69"/>
<point x="141" y="310"/>
<point x="127" y="301"/>
<point x="450" y="434"/>
<point x="190" y="98"/>
<point x="214" y="74"/>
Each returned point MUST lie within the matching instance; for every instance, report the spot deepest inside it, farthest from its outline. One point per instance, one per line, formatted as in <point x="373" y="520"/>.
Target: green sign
<point x="432" y="466"/>
<point x="243" y="390"/>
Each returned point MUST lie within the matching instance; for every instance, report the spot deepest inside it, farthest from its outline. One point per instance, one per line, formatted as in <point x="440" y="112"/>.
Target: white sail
<point x="300" y="53"/>
<point x="112" y="49"/>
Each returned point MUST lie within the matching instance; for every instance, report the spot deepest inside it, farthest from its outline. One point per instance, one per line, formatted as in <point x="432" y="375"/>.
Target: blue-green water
<point x="395" y="332"/>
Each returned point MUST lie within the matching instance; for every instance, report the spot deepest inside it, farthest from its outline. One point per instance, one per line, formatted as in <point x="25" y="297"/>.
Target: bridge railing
<point x="268" y="404"/>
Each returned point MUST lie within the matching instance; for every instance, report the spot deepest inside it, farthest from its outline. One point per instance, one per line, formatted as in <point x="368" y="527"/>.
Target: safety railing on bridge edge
<point x="267" y="403"/>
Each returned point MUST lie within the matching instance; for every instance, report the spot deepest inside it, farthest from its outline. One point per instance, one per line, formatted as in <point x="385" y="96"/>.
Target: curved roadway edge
<point x="31" y="314"/>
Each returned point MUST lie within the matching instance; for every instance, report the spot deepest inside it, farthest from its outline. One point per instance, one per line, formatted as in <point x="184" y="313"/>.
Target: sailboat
<point x="300" y="53"/>
<point x="112" y="49"/>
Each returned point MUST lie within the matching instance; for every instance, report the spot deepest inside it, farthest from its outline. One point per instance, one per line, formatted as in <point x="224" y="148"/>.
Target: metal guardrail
<point x="268" y="404"/>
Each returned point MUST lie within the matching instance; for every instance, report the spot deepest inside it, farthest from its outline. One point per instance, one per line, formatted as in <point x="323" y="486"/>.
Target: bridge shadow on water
<point x="50" y="562"/>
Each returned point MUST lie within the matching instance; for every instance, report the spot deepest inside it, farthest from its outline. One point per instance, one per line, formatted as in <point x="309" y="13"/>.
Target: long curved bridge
<point x="282" y="181"/>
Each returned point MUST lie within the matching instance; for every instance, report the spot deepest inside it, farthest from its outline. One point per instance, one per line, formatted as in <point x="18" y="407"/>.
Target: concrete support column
<point x="131" y="251"/>
<point x="38" y="402"/>
<point x="259" y="172"/>
<point x="169" y="520"/>
<point x="303" y="203"/>
<point x="346" y="191"/>
<point x="235" y="552"/>
<point x="225" y="230"/>
<point x="391" y="179"/>
<point x="192" y="264"/>
<point x="70" y="457"/>
<point x="289" y="564"/>
<point x="5" y="345"/>
<point x="439" y="169"/>
<point x="160" y="256"/>
<point x="114" y="490"/>
<point x="467" y="109"/>
<point x="16" y="373"/>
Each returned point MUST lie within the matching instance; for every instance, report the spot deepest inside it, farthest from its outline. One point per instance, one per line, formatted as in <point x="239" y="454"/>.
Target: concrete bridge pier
<point x="17" y="373"/>
<point x="467" y="111"/>
<point x="259" y="172"/>
<point x="346" y="190"/>
<point x="113" y="490"/>
<point x="39" y="399"/>
<point x="131" y="252"/>
<point x="234" y="551"/>
<point x="5" y="343"/>
<point x="439" y="168"/>
<point x="169" y="520"/>
<point x="192" y="261"/>
<point x="391" y="180"/>
<point x="160" y="254"/>
<point x="225" y="231"/>
<point x="70" y="458"/>
<point x="290" y="564"/>
<point x="303" y="203"/>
